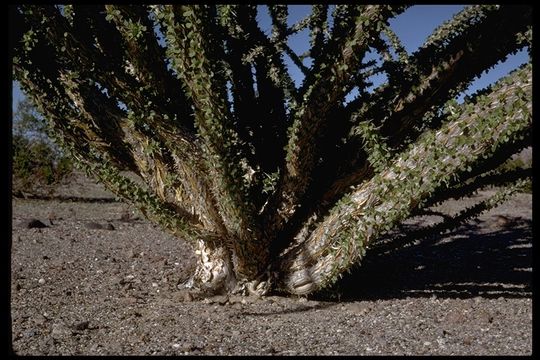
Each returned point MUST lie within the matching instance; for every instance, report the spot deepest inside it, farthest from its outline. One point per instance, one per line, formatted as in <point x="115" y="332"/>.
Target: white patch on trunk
<point x="214" y="272"/>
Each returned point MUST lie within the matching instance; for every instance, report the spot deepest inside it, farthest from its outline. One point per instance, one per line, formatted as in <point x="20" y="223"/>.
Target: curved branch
<point x="342" y="237"/>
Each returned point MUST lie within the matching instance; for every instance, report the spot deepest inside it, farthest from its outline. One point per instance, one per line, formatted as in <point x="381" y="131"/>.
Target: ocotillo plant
<point x="278" y="187"/>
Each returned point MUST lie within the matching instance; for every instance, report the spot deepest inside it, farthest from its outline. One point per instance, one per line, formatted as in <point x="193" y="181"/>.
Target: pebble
<point x="93" y="225"/>
<point x="30" y="333"/>
<point x="359" y="308"/>
<point x="183" y="295"/>
<point x="59" y="330"/>
<point x="221" y="299"/>
<point x="503" y="221"/>
<point x="83" y="325"/>
<point x="41" y="281"/>
<point x="33" y="223"/>
<point x="131" y="254"/>
<point x="40" y="320"/>
<point x="129" y="300"/>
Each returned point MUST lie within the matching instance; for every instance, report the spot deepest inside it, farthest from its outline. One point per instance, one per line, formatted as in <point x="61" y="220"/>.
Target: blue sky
<point x="413" y="26"/>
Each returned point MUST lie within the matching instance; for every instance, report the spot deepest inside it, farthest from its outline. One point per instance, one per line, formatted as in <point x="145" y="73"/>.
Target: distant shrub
<point x="515" y="163"/>
<point x="38" y="165"/>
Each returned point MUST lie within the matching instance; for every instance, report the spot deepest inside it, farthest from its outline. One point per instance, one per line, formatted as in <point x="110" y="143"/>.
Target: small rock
<point x="30" y="333"/>
<point x="95" y="348"/>
<point x="455" y="317"/>
<point x="128" y="278"/>
<point x="33" y="223"/>
<point x="188" y="297"/>
<point x="41" y="281"/>
<point x="187" y="348"/>
<point x="109" y="227"/>
<point x="183" y="296"/>
<point x="93" y="225"/>
<point x="131" y="254"/>
<point x="130" y="300"/>
<point x="503" y="221"/>
<point x="221" y="299"/>
<point x="40" y="319"/>
<point x="359" y="308"/>
<point x="59" y="330"/>
<point x="83" y="325"/>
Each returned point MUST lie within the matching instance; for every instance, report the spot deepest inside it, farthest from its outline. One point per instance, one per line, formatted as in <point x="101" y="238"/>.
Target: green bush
<point x="37" y="163"/>
<point x="515" y="163"/>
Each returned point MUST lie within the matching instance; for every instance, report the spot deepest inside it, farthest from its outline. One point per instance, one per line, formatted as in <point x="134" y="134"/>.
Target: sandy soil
<point x="101" y="280"/>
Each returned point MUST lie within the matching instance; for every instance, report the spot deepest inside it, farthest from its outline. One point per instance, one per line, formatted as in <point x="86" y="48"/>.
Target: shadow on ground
<point x="463" y="263"/>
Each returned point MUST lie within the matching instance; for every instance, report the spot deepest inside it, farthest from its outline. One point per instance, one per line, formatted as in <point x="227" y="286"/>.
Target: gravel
<point x="78" y="290"/>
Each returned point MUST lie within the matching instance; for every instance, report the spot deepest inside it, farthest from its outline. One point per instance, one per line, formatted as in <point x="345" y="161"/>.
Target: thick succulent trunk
<point x="214" y="271"/>
<point x="343" y="236"/>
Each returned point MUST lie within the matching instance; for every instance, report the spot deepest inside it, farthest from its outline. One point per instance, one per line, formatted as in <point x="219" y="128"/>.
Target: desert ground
<point x="93" y="277"/>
